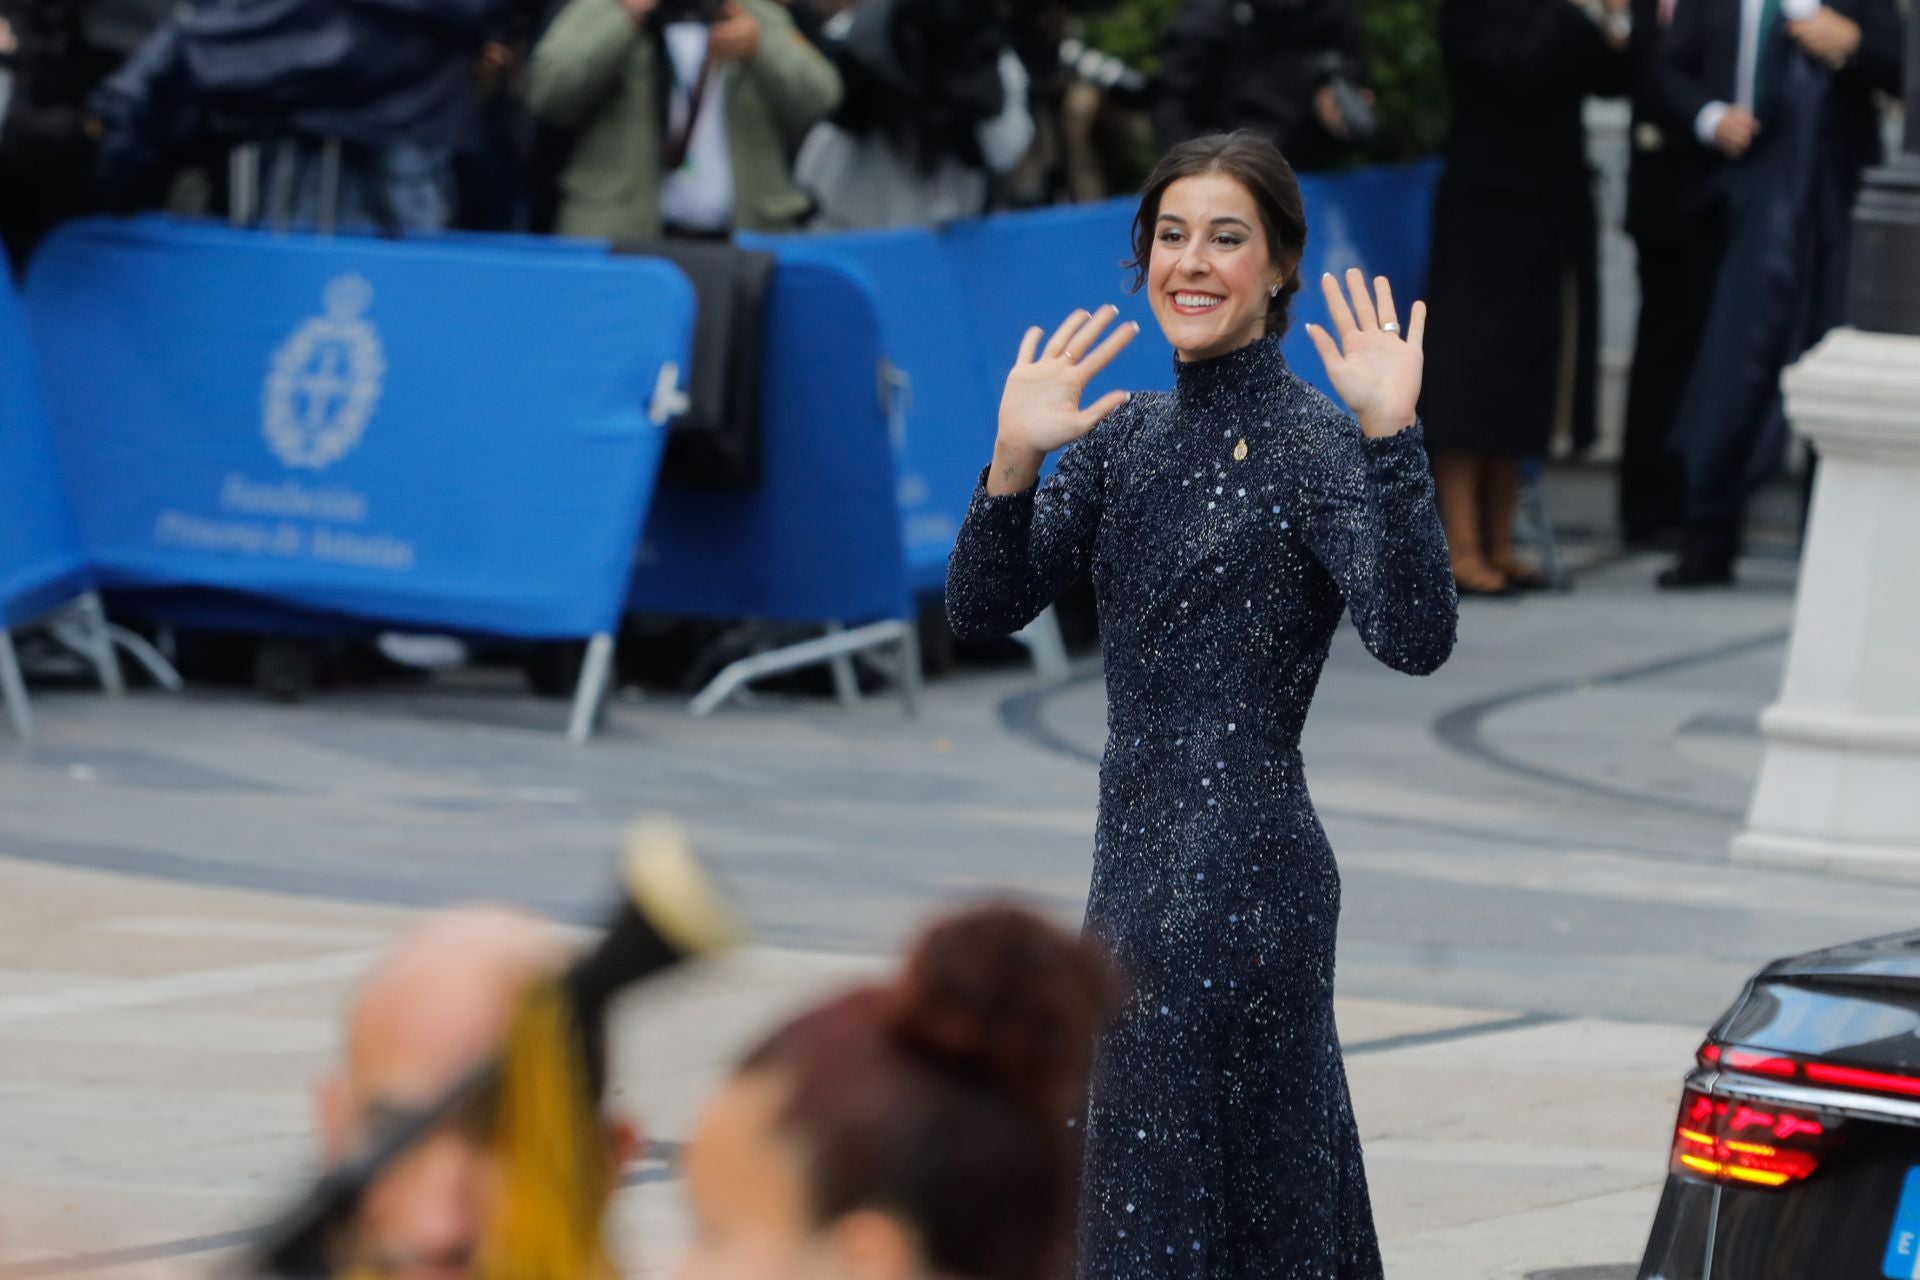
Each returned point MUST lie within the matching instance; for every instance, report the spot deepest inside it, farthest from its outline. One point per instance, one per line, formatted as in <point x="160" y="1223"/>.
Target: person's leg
<point x="1499" y="503"/>
<point x="1650" y="494"/>
<point x="1456" y="480"/>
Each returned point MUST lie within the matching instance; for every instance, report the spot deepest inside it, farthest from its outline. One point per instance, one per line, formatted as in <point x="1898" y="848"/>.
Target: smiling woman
<point x="1226" y="526"/>
<point x="1206" y="246"/>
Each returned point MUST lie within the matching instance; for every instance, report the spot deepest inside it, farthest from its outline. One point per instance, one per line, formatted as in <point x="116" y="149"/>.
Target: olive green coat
<point x="593" y="73"/>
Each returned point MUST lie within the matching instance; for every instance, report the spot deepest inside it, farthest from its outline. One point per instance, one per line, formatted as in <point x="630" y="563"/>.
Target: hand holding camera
<point x="734" y="35"/>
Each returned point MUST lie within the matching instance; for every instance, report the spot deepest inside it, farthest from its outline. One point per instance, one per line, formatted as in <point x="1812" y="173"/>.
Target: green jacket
<point x="593" y="72"/>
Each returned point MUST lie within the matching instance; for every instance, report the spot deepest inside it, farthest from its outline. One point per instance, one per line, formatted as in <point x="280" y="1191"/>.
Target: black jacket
<point x="1700" y="59"/>
<point x="1669" y="188"/>
<point x="1255" y="64"/>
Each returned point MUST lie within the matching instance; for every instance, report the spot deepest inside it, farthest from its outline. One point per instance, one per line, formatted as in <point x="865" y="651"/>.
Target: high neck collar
<point x="1234" y="373"/>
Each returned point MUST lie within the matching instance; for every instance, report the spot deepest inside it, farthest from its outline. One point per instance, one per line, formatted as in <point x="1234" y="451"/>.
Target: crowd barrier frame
<point x="501" y="455"/>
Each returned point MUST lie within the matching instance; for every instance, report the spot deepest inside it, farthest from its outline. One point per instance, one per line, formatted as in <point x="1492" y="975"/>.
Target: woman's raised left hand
<point x="1375" y="369"/>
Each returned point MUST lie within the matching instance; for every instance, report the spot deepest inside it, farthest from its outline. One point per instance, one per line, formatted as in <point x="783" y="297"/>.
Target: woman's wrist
<point x="1375" y="427"/>
<point x="1015" y="468"/>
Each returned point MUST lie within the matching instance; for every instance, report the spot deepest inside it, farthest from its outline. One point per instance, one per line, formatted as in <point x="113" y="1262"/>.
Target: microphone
<point x="668" y="914"/>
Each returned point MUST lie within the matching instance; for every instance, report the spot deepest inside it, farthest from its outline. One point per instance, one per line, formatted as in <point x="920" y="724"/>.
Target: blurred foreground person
<point x="684" y="115"/>
<point x="1781" y="95"/>
<point x="912" y="1130"/>
<point x="1515" y="254"/>
<point x="439" y="1005"/>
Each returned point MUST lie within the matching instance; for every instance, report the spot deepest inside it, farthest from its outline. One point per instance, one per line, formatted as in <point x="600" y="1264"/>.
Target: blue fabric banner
<point x="947" y="420"/>
<point x="819" y="538"/>
<point x="41" y="563"/>
<point x="432" y="435"/>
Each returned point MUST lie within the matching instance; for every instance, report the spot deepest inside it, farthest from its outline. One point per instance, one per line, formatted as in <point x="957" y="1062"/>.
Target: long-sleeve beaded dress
<point x="1226" y="525"/>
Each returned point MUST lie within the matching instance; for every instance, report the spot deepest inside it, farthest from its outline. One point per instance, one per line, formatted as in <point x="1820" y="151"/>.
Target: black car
<point x="1796" y="1155"/>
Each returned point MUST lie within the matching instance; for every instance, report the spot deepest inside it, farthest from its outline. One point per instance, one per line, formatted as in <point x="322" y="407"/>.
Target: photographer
<point x="684" y="112"/>
<point x="936" y="114"/>
<point x="1286" y="69"/>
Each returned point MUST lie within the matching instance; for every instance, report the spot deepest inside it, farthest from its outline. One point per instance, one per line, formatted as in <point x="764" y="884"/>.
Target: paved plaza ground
<point x="1539" y="916"/>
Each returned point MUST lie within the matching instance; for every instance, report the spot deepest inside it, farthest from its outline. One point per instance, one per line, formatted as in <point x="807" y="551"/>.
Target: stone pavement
<point x="1539" y="918"/>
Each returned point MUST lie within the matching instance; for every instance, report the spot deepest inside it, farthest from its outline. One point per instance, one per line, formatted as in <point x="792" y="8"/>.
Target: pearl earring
<point x="1274" y="292"/>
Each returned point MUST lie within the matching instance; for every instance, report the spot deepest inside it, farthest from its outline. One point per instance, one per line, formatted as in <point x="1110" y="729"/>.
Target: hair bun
<point x="1000" y="993"/>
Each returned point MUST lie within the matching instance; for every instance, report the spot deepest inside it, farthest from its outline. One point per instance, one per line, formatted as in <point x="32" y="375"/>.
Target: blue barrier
<point x="947" y="415"/>
<point x="819" y="538"/>
<point x="42" y="565"/>
<point x="441" y="436"/>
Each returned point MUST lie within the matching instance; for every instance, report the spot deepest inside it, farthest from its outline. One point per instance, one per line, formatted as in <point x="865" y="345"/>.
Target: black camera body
<point x="705" y="12"/>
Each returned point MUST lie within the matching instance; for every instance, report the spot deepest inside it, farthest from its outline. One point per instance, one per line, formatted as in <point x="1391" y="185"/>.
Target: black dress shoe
<point x="1694" y="571"/>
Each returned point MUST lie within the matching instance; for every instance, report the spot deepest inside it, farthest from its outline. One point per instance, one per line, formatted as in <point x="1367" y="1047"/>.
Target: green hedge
<point x="1404" y="69"/>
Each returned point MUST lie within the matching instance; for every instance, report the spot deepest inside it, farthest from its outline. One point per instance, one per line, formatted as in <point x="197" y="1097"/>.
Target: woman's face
<point x="752" y="1219"/>
<point x="1211" y="271"/>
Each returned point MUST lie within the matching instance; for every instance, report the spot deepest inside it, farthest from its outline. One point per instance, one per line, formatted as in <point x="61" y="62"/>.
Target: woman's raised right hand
<point x="1040" y="408"/>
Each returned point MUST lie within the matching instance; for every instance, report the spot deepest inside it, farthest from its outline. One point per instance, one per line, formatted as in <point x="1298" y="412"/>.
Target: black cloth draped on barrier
<point x="715" y="441"/>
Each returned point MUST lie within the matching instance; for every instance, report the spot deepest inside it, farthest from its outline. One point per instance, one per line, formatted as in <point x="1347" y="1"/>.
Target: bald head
<point x="440" y="1002"/>
<point x="435" y="1008"/>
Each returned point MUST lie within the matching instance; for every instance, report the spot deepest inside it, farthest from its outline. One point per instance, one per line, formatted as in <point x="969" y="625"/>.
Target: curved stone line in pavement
<point x="1462" y="731"/>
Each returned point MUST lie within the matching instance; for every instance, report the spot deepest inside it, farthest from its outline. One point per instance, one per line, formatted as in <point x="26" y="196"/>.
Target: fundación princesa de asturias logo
<point x="325" y="380"/>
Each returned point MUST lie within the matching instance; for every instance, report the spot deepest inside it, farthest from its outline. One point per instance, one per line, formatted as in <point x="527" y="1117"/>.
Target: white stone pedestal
<point x="1840" y="785"/>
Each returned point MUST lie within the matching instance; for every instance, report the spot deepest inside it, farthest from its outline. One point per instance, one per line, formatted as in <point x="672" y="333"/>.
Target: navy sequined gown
<point x="1220" y="1139"/>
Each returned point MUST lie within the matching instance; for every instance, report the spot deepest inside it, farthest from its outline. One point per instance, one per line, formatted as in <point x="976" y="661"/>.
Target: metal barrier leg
<point x="13" y="689"/>
<point x="1539" y="531"/>
<point x="808" y="653"/>
<point x="1048" y="646"/>
<point x="150" y="659"/>
<point x="590" y="695"/>
<point x="910" y="678"/>
<point x="98" y="643"/>
<point x="846" y="681"/>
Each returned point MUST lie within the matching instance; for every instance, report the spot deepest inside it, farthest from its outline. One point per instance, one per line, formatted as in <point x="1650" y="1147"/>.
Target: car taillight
<point x="1751" y="1143"/>
<point x="1778" y="1066"/>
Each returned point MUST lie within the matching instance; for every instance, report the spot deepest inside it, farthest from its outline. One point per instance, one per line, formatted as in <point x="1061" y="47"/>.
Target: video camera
<point x="705" y="12"/>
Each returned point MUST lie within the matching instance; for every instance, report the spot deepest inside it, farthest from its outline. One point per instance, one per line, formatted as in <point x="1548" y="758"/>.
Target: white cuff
<point x="1708" y="121"/>
<point x="1799" y="10"/>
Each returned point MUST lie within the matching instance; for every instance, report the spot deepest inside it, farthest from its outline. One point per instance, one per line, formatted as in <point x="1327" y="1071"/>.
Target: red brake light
<point x="1730" y="1140"/>
<point x="1760" y="1064"/>
<point x="1780" y="1067"/>
<point x="1856" y="1078"/>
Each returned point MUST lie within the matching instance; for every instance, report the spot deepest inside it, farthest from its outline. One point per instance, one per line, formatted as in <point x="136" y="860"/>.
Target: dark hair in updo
<point x="944" y="1098"/>
<point x="1256" y="164"/>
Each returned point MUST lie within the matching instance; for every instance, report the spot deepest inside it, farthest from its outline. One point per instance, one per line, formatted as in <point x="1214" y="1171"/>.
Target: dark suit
<point x="1701" y="58"/>
<point x="1786" y="204"/>
<point x="1673" y="215"/>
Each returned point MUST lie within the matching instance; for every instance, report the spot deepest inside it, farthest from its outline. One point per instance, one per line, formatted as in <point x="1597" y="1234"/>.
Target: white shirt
<point x="699" y="194"/>
<point x="1748" y="64"/>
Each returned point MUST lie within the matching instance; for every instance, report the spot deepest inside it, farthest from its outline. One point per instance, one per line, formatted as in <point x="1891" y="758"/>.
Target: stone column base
<point x="1840" y="785"/>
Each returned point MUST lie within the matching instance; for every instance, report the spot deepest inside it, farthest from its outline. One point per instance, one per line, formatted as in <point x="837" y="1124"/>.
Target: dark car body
<point x="1796" y="1154"/>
